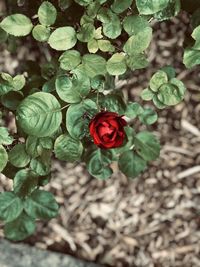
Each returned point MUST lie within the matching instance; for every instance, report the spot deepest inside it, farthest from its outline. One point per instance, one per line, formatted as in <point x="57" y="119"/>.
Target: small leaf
<point x="18" y="156"/>
<point x="25" y="182"/>
<point x="78" y="117"/>
<point x="47" y="13"/>
<point x="63" y="38"/>
<point x="131" y="164"/>
<point x="73" y="90"/>
<point x="98" y="164"/>
<point x="147" y="94"/>
<point x="17" y="25"/>
<point x="70" y="59"/>
<point x="5" y="138"/>
<point x="133" y="24"/>
<point x="137" y="61"/>
<point x="119" y="6"/>
<point x="133" y="109"/>
<point x="86" y="32"/>
<point x="147" y="146"/>
<point x="116" y="65"/>
<point x="138" y="43"/>
<point x="157" y="80"/>
<point x="20" y="228"/>
<point x="41" y="33"/>
<point x="67" y="148"/>
<point x="11" y="206"/>
<point x="148" y="116"/>
<point x="94" y="65"/>
<point x="39" y="114"/>
<point x="92" y="46"/>
<point x="41" y="204"/>
<point x="105" y="46"/>
<point x="148" y="7"/>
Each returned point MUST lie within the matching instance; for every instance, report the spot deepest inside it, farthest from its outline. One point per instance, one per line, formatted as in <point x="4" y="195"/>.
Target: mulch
<point x="153" y="220"/>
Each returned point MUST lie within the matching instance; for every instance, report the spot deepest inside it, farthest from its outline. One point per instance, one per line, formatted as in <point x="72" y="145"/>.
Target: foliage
<point x="84" y="45"/>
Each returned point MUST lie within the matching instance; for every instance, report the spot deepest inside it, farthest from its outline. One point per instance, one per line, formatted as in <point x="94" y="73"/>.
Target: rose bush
<point x="64" y="101"/>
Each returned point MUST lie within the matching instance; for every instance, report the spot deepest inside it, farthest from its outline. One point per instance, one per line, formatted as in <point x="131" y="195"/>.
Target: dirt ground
<point x="153" y="220"/>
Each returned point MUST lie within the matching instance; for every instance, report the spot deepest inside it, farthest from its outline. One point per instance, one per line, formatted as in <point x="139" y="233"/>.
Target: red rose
<point x="107" y="129"/>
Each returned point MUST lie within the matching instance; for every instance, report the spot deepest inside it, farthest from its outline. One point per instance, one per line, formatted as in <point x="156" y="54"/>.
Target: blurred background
<point x="153" y="220"/>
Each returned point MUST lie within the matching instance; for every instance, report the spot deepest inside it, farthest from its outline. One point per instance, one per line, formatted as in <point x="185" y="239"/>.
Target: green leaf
<point x="64" y="4"/>
<point x="148" y="116"/>
<point x="172" y="10"/>
<point x="158" y="103"/>
<point x="39" y="114"/>
<point x="18" y="156"/>
<point x="147" y="146"/>
<point x="133" y="109"/>
<point x="41" y="204"/>
<point x="32" y="144"/>
<point x="116" y="65"/>
<point x="73" y="90"/>
<point x="20" y="228"/>
<point x="77" y="118"/>
<point x="63" y="38"/>
<point x="119" y="6"/>
<point x="47" y="13"/>
<point x="131" y="164"/>
<point x="86" y="32"/>
<point x="148" y="7"/>
<point x="3" y="36"/>
<point x="25" y="182"/>
<point x="138" y="43"/>
<point x="147" y="94"/>
<point x="137" y="61"/>
<point x="133" y="24"/>
<point x="191" y="57"/>
<point x="171" y="93"/>
<point x="17" y="25"/>
<point x="113" y="102"/>
<point x="98" y="164"/>
<point x="98" y="83"/>
<point x="11" y="206"/>
<point x="67" y="148"/>
<point x="5" y="138"/>
<point x="94" y="65"/>
<point x="18" y="82"/>
<point x="105" y="46"/>
<point x="69" y="60"/>
<point x="41" y="33"/>
<point x="157" y="80"/>
<point x="41" y="166"/>
<point x="49" y="86"/>
<point x="92" y="46"/>
<point x="11" y="100"/>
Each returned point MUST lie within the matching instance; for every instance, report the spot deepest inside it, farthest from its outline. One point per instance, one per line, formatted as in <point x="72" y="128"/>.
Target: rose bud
<point x="107" y="129"/>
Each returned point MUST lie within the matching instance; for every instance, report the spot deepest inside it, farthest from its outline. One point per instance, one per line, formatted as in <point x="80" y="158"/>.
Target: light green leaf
<point x="17" y="25"/>
<point x="131" y="164"/>
<point x="41" y="204"/>
<point x="11" y="206"/>
<point x="147" y="94"/>
<point x="63" y="38"/>
<point x="148" y="116"/>
<point x="138" y="43"/>
<point x="40" y="166"/>
<point x="86" y="32"/>
<point x="70" y="59"/>
<point x="20" y="228"/>
<point x="133" y="109"/>
<point x="92" y="46"/>
<point x="172" y="10"/>
<point x="18" y="156"/>
<point x="191" y="57"/>
<point x="148" y="7"/>
<point x="147" y="146"/>
<point x="137" y="61"/>
<point x="158" y="79"/>
<point x="41" y="33"/>
<point x="133" y="24"/>
<point x="47" y="13"/>
<point x="94" y="65"/>
<point x="67" y="148"/>
<point x="5" y="138"/>
<point x="18" y="82"/>
<point x="105" y="46"/>
<point x="39" y="114"/>
<point x="116" y="65"/>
